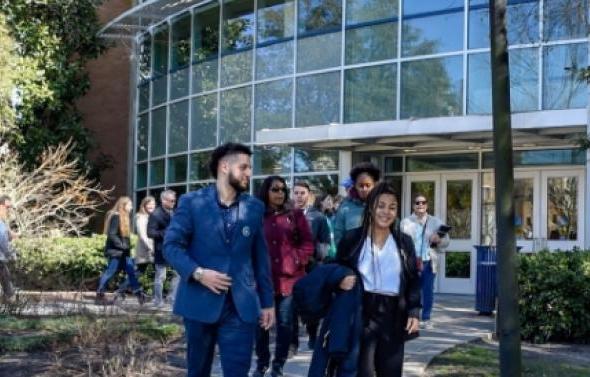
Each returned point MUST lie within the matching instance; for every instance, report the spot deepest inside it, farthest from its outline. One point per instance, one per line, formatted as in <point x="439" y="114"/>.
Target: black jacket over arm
<point x="349" y="249"/>
<point x="156" y="229"/>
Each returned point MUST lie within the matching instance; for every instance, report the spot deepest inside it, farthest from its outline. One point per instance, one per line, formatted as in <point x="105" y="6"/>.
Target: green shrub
<point x="68" y="263"/>
<point x="555" y="296"/>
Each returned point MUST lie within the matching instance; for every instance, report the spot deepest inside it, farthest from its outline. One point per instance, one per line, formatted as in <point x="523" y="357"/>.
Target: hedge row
<point x="555" y="296"/>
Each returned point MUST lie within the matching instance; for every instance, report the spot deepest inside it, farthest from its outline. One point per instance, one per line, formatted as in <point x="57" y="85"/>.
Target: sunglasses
<point x="418" y="202"/>
<point x="278" y="189"/>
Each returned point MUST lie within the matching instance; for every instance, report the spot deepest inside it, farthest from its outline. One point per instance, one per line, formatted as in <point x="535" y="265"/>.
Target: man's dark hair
<point x="303" y="184"/>
<point x="365" y="167"/>
<point x="4" y="199"/>
<point x="224" y="150"/>
<point x="267" y="184"/>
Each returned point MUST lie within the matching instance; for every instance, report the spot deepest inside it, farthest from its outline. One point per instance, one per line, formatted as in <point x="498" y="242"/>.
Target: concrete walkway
<point x="455" y="321"/>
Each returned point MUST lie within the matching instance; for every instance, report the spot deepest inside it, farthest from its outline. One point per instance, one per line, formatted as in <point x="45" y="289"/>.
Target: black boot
<point x="259" y="372"/>
<point x="277" y="371"/>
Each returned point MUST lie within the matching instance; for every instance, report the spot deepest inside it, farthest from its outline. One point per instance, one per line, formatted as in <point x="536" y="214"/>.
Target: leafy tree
<point x="56" y="38"/>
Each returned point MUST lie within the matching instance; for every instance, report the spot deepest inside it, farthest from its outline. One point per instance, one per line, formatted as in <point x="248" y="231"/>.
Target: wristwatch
<point x="198" y="274"/>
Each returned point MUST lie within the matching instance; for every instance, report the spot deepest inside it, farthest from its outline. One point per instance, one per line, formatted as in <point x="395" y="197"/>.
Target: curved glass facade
<point x="221" y="72"/>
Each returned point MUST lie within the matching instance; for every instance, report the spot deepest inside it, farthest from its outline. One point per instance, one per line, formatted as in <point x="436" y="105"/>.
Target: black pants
<point x="382" y="342"/>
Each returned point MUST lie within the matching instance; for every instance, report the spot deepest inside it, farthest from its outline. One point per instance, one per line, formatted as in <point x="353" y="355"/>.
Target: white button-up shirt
<point x="380" y="268"/>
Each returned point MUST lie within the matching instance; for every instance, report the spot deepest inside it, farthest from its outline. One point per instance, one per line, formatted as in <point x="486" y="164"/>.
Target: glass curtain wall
<point x="226" y="70"/>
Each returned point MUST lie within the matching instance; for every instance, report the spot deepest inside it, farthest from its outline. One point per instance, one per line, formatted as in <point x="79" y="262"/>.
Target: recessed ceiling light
<point x="410" y="150"/>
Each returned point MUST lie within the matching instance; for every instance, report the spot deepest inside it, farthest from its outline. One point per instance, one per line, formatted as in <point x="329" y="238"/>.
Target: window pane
<point x="178" y="130"/>
<point x="369" y="94"/>
<point x="274" y="104"/>
<point x="276" y="20"/>
<point x="313" y="160"/>
<point x="561" y="87"/>
<point x="432" y="87"/>
<point x="158" y="132"/>
<point x="204" y="122"/>
<point x="421" y="31"/>
<point x="144" y="96"/>
<point x="319" y="51"/>
<point x="177" y="169"/>
<point x="199" y="168"/>
<point x="141" y="179"/>
<point x="181" y="52"/>
<point x="412" y="7"/>
<point x="524" y="79"/>
<point x="319" y="44"/>
<point x="562" y="211"/>
<point x="143" y="59"/>
<point x="394" y="165"/>
<point x="238" y="33"/>
<point x="318" y="99"/>
<point x="276" y="27"/>
<point x="238" y="24"/>
<point x="143" y="125"/>
<point x="157" y="172"/>
<point x="565" y="19"/>
<point x="235" y="115"/>
<point x="274" y="60"/>
<point x="160" y="66"/>
<point x="371" y="43"/>
<point x="358" y="11"/>
<point x="159" y="90"/>
<point x="205" y="75"/>
<point x="320" y="184"/>
<point x="459" y="208"/>
<point x="319" y="15"/>
<point x="540" y="158"/>
<point x="442" y="162"/>
<point x="206" y="34"/>
<point x="236" y="68"/>
<point x="205" y="49"/>
<point x="479" y="84"/>
<point x="522" y="20"/>
<point x="523" y="208"/>
<point x="272" y="160"/>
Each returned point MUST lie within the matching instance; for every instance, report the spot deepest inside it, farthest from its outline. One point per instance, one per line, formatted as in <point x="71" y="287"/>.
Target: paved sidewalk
<point x="455" y="321"/>
<point x="454" y="317"/>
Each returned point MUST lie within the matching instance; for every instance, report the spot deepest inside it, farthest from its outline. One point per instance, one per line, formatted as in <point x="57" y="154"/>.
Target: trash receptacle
<point x="486" y="289"/>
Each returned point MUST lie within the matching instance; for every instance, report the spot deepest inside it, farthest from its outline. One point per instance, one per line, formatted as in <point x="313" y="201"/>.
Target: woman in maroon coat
<point x="290" y="246"/>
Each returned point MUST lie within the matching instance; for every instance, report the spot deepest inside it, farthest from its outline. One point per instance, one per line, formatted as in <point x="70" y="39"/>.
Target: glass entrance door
<point x="453" y="199"/>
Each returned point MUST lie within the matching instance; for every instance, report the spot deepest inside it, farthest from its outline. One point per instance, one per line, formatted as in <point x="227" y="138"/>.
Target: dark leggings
<point x="382" y="344"/>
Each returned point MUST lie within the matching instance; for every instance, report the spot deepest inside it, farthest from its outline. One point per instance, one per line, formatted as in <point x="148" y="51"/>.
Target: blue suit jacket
<point x="196" y="237"/>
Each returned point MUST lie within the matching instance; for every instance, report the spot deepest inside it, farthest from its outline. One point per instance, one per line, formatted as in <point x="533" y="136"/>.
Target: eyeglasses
<point x="419" y="202"/>
<point x="278" y="189"/>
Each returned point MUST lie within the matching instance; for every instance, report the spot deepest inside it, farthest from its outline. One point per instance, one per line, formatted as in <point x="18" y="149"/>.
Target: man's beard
<point x="236" y="184"/>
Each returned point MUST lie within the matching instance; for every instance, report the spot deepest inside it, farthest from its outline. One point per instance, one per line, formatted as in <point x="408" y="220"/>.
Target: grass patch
<point x="481" y="360"/>
<point x="44" y="333"/>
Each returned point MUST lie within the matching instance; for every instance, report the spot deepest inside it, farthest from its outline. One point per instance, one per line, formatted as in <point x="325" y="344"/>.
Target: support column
<point x="344" y="166"/>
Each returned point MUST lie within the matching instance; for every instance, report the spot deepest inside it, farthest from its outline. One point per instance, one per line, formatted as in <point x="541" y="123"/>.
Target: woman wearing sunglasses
<point x="423" y="228"/>
<point x="290" y="247"/>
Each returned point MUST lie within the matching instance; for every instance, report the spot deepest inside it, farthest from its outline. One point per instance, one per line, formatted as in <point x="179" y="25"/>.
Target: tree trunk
<point x="507" y="262"/>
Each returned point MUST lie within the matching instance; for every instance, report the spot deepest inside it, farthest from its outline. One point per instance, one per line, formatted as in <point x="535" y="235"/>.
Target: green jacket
<point x="348" y="216"/>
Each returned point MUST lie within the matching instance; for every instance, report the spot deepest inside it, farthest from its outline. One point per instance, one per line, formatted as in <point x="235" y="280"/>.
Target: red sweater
<point x="290" y="246"/>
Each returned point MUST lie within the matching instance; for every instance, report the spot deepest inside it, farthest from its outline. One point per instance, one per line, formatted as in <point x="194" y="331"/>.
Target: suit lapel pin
<point x="246" y="231"/>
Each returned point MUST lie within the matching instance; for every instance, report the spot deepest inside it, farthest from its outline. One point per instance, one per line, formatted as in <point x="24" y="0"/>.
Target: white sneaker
<point x="426" y="325"/>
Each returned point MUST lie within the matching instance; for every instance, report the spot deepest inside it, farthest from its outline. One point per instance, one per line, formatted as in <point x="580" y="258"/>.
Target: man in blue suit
<point x="215" y="242"/>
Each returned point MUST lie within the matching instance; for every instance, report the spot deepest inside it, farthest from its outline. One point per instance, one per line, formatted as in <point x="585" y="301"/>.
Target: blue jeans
<point x="427" y="283"/>
<point x="234" y="337"/>
<point x="114" y="266"/>
<point x="285" y="315"/>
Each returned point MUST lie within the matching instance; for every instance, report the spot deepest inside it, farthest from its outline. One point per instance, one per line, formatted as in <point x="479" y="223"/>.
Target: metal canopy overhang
<point x="143" y="16"/>
<point x="533" y="129"/>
